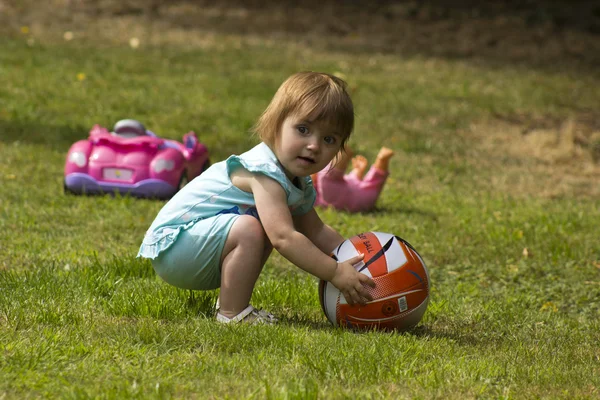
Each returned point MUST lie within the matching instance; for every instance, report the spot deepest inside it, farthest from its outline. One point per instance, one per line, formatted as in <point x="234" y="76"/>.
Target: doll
<point x="356" y="191"/>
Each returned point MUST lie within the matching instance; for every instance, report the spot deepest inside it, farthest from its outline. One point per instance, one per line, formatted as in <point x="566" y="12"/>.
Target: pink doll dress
<point x="346" y="191"/>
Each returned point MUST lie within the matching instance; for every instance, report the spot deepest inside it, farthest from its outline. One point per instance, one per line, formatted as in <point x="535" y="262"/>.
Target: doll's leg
<point x="359" y="166"/>
<point x="370" y="187"/>
<point x="334" y="171"/>
<point x="374" y="179"/>
<point x="379" y="171"/>
<point x="331" y="178"/>
<point x="343" y="159"/>
<point x="383" y="158"/>
<point x="244" y="255"/>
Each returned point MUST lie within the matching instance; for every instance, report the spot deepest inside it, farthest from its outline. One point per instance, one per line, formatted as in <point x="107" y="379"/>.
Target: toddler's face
<point x="305" y="147"/>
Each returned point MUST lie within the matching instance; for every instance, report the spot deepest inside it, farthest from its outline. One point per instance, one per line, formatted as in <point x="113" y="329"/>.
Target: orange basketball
<point x="401" y="294"/>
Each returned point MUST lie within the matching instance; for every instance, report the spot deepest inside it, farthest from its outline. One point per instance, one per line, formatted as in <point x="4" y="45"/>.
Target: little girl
<point x="219" y="230"/>
<point x="356" y="191"/>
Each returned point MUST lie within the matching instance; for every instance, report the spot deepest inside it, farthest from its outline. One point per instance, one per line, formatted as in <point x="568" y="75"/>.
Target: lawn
<point x="493" y="182"/>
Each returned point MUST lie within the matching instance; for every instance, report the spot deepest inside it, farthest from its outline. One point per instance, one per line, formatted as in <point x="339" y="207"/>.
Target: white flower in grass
<point x="134" y="43"/>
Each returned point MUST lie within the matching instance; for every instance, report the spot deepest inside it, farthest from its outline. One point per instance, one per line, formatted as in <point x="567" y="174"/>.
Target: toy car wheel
<point x="183" y="180"/>
<point x="66" y="189"/>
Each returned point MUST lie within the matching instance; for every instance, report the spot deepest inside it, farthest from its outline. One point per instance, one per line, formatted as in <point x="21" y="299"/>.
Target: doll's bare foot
<point x="359" y="166"/>
<point x="383" y="158"/>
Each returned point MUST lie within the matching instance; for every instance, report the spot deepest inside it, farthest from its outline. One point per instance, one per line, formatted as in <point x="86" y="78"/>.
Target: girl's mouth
<point x="307" y="160"/>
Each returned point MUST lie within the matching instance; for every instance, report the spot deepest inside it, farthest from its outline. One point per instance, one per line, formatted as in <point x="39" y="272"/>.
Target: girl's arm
<point x="277" y="221"/>
<point x="323" y="236"/>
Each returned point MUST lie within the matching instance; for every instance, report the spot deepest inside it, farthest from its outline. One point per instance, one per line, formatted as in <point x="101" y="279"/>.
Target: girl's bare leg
<point x="383" y="158"/>
<point x="359" y="166"/>
<point x="244" y="255"/>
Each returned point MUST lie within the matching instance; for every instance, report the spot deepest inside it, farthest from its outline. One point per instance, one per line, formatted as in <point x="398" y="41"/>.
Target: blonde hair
<point x="310" y="95"/>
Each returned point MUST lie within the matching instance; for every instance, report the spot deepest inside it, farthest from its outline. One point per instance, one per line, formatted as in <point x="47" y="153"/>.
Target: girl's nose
<point x="313" y="145"/>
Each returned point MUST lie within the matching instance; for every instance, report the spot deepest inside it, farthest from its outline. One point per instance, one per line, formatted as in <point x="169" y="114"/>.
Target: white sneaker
<point x="249" y="315"/>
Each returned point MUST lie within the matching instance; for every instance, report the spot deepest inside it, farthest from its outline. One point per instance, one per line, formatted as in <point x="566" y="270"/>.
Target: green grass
<point x="81" y="317"/>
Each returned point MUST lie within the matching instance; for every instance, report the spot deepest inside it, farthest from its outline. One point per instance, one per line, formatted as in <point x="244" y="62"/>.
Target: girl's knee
<point x="247" y="235"/>
<point x="254" y="233"/>
<point x="248" y="228"/>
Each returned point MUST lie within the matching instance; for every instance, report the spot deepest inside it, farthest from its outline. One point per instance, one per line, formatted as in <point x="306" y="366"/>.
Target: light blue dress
<point x="186" y="239"/>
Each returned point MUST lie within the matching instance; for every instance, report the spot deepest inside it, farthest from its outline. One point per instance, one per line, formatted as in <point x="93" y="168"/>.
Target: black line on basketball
<point x="410" y="247"/>
<point x="405" y="242"/>
<point x="339" y="247"/>
<point x="376" y="256"/>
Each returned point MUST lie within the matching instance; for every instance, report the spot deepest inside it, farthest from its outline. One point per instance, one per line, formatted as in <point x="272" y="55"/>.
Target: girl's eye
<point x="330" y="140"/>
<point x="303" y="130"/>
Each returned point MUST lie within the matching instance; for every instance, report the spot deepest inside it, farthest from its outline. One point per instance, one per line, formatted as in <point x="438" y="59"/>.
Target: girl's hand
<point x="351" y="283"/>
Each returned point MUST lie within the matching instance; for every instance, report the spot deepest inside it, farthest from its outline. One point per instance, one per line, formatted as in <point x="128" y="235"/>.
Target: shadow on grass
<point x="398" y="209"/>
<point x="204" y="307"/>
<point x="420" y="331"/>
<point x="462" y="338"/>
<point x="299" y="322"/>
<point x="502" y="33"/>
<point x="202" y="303"/>
<point x="54" y="137"/>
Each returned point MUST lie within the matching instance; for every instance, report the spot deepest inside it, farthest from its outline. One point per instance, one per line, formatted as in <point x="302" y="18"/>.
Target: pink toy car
<point x="133" y="160"/>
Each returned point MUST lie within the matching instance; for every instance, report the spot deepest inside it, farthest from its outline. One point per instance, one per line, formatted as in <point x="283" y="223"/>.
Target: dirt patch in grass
<point x="540" y="156"/>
